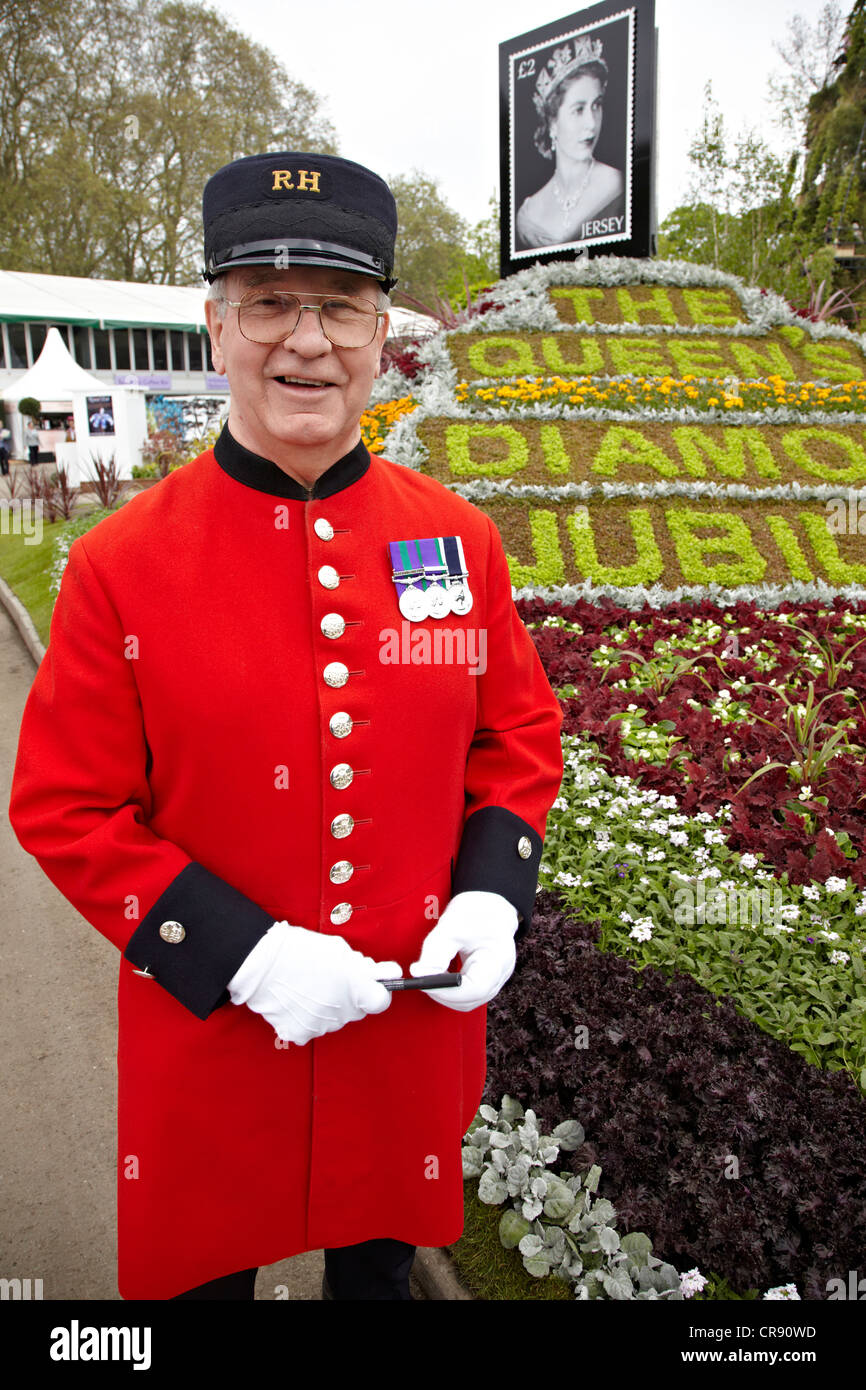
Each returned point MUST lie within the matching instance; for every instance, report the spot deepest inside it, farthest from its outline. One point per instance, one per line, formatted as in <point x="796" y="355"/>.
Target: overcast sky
<point x="415" y="85"/>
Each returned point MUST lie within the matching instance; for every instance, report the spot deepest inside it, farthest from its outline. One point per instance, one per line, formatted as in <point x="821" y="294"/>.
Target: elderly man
<point x="247" y="762"/>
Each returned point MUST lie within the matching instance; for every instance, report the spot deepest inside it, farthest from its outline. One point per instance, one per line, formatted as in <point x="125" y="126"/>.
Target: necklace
<point x="568" y="203"/>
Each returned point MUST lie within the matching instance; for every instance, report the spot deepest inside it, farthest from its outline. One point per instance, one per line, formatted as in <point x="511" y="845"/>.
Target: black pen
<point x="443" y="981"/>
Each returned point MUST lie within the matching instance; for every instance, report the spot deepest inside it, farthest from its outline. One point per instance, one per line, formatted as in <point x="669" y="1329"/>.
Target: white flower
<point x="812" y="893"/>
<point x="626" y="917"/>
<point x="678" y="837"/>
<point x="641" y="933"/>
<point x="839" y="958"/>
<point x="582" y="822"/>
<point x="805" y="793"/>
<point x="830" y="935"/>
<point x="783" y="1290"/>
<point x="748" y="861"/>
<point x="836" y="885"/>
<point x="691" y="1282"/>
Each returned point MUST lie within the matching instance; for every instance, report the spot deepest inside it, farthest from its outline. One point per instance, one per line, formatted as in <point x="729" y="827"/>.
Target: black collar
<point x="265" y="476"/>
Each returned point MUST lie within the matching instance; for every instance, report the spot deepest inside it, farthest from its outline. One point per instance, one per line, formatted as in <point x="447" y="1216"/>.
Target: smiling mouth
<point x="302" y="381"/>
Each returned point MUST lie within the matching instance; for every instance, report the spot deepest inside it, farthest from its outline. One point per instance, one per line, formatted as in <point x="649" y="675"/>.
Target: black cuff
<point x="220" y="928"/>
<point x="491" y="860"/>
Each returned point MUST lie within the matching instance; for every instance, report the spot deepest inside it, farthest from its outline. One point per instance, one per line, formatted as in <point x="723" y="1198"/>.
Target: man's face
<point x="304" y="393"/>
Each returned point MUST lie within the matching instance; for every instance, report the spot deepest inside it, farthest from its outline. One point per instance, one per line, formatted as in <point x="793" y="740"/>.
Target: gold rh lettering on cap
<point x="282" y="179"/>
<point x="308" y="178"/>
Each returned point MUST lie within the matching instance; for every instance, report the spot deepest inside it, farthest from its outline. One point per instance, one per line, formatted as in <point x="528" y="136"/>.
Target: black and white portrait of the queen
<point x="568" y="101"/>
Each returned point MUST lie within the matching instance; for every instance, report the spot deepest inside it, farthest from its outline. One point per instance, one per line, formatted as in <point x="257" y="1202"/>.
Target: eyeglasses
<point x="268" y="316"/>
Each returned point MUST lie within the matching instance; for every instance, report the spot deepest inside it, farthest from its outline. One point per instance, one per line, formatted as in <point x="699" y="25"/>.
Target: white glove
<point x="481" y="927"/>
<point x="306" y="983"/>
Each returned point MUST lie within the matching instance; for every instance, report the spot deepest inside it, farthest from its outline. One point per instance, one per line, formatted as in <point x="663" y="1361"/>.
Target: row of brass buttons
<point x="335" y="674"/>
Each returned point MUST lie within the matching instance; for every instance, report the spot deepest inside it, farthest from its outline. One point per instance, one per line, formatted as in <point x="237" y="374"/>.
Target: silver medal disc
<point x="438" y="601"/>
<point x="413" y="604"/>
<point x="461" y="599"/>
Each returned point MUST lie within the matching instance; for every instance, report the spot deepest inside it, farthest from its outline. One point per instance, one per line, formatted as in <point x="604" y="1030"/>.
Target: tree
<point x="809" y="56"/>
<point x="834" y="178"/>
<point x="113" y="114"/>
<point x="431" y="237"/>
<point x="739" y="212"/>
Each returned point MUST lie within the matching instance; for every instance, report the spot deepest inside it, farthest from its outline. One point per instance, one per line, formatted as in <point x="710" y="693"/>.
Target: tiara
<point x="586" y="50"/>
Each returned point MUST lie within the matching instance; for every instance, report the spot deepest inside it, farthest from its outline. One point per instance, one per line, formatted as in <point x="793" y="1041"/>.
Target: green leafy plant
<point x="813" y="741"/>
<point x="661" y="672"/>
<point x="559" y="1224"/>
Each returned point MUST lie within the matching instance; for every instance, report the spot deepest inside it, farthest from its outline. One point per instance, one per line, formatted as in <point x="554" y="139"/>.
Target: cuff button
<point x="524" y="847"/>
<point x="172" y="931"/>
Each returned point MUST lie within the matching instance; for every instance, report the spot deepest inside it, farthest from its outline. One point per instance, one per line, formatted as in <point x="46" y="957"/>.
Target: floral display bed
<point x="677" y="465"/>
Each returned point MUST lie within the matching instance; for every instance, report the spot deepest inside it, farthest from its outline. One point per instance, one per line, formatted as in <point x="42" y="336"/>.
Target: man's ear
<point x="383" y="331"/>
<point x="215" y="331"/>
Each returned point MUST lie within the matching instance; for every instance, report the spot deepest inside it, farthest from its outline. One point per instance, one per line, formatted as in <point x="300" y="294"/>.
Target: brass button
<point x="524" y="846"/>
<point x="341" y="826"/>
<point x="333" y="625"/>
<point x="328" y="577"/>
<point x="341" y="913"/>
<point x="323" y="529"/>
<point x="341" y="872"/>
<point x="341" y="776"/>
<point x="172" y="931"/>
<point x="335" y="673"/>
<point x="340" y="724"/>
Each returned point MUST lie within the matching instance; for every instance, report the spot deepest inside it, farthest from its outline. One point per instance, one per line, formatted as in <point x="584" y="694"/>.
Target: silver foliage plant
<point x="558" y="1223"/>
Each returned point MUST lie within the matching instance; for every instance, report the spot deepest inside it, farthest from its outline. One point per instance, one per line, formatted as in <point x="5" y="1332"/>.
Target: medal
<point x="438" y="601"/>
<point x="460" y="598"/>
<point x="459" y="593"/>
<point x="412" y="604"/>
<point x="430" y="575"/>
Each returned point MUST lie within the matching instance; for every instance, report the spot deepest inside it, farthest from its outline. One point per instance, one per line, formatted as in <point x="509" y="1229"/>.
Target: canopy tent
<point x="61" y="386"/>
<point x="53" y="377"/>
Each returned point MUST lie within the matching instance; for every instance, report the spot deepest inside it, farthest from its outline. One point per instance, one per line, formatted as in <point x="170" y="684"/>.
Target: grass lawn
<point x="27" y="570"/>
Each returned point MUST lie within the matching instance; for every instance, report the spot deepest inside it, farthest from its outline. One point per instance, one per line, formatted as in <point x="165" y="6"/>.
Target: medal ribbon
<point x="421" y="559"/>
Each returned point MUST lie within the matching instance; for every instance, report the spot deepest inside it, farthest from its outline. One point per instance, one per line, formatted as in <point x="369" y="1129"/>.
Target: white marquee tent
<point x="61" y="386"/>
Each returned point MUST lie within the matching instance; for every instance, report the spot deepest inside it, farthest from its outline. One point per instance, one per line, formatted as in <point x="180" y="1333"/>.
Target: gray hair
<point x="216" y="293"/>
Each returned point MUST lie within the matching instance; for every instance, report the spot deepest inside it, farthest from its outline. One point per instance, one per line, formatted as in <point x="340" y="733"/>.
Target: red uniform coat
<point x="177" y="764"/>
